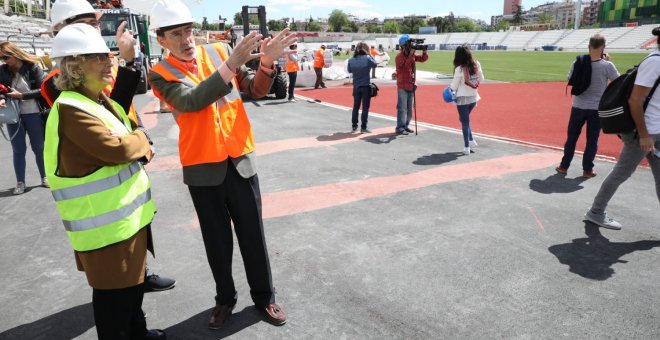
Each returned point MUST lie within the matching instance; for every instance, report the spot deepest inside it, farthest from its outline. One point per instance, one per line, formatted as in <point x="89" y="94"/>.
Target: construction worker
<point x="126" y="78"/>
<point x="319" y="62"/>
<point x="93" y="158"/>
<point x="373" y="53"/>
<point x="292" y="68"/>
<point x="201" y="85"/>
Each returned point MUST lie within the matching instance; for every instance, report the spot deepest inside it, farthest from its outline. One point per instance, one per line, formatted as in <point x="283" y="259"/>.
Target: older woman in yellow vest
<point x="94" y="162"/>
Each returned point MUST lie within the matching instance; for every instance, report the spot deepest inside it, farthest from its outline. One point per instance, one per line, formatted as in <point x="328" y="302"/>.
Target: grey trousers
<point x="630" y="157"/>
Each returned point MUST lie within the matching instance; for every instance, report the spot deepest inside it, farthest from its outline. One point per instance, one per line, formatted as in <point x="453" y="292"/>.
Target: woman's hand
<point x="646" y="144"/>
<point x="14" y="94"/>
<point x="273" y="48"/>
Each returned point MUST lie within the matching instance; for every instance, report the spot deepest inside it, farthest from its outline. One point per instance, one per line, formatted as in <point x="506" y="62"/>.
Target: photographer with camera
<point x="405" y="80"/>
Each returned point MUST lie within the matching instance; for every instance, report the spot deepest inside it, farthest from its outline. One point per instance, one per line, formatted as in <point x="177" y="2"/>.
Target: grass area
<point x="518" y="66"/>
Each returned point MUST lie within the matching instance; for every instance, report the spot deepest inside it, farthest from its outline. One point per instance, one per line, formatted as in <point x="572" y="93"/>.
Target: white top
<point x="458" y="83"/>
<point x="647" y="75"/>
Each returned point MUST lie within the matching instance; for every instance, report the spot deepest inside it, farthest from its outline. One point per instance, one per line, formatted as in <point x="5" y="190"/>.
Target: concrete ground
<point x="371" y="236"/>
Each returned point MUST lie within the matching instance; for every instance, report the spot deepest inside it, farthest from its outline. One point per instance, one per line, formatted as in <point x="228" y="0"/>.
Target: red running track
<point x="529" y="112"/>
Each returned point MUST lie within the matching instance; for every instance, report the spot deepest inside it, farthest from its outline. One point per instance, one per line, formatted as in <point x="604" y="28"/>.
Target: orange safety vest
<point x="373" y="52"/>
<point x="319" y="57"/>
<point x="292" y="66"/>
<point x="50" y="97"/>
<point x="217" y="131"/>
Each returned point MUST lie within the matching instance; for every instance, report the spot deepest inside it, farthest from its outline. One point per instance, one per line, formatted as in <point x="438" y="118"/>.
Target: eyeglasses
<point x="100" y="57"/>
<point x="5" y="57"/>
<point x="88" y="21"/>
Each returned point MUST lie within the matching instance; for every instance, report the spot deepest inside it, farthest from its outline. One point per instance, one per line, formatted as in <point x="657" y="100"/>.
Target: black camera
<point x="418" y="44"/>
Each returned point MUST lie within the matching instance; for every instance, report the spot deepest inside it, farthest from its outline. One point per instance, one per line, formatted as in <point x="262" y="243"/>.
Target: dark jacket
<point x="361" y="67"/>
<point x="32" y="74"/>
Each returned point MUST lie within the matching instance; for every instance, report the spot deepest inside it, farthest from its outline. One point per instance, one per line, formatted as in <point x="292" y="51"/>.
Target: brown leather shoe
<point x="588" y="174"/>
<point x="274" y="314"/>
<point x="219" y="315"/>
<point x="561" y="170"/>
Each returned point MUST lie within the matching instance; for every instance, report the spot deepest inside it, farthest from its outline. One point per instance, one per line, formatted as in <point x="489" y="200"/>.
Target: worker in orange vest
<point x="292" y="68"/>
<point x="202" y="85"/>
<point x="374" y="53"/>
<point x="319" y="58"/>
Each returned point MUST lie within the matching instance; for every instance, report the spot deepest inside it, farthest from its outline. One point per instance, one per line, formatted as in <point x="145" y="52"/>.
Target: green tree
<point x="437" y="22"/>
<point x="238" y="19"/>
<point x="517" y="16"/>
<point x="391" y="27"/>
<point x="337" y="20"/>
<point x="205" y="24"/>
<point x="314" y="27"/>
<point x="451" y="22"/>
<point x="411" y="25"/>
<point x="373" y="28"/>
<point x="502" y="26"/>
<point x="275" y="25"/>
<point x="293" y="26"/>
<point x="466" y="25"/>
<point x="354" y="27"/>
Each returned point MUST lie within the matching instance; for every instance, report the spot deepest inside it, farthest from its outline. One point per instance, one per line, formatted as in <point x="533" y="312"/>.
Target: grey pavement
<point x="382" y="237"/>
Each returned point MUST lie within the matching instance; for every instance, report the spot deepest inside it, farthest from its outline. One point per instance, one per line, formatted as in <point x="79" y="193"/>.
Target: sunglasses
<point x="88" y="21"/>
<point x="5" y="57"/>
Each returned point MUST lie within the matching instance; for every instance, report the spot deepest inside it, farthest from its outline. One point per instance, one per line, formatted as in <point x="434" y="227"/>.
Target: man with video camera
<point x="405" y="80"/>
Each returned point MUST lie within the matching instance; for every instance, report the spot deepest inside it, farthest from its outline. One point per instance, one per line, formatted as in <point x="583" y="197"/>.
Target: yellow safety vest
<point x="107" y="206"/>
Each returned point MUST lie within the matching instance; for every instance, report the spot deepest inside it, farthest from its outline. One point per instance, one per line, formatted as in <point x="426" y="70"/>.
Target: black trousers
<point x="319" y="77"/>
<point x="118" y="313"/>
<point x="236" y="200"/>
<point x="292" y="82"/>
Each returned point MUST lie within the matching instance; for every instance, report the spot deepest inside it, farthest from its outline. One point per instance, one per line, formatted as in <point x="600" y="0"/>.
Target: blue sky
<point x="277" y="9"/>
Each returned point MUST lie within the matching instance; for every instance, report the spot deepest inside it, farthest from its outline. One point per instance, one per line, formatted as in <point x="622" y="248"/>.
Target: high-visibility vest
<point x="109" y="205"/>
<point x="373" y="52"/>
<point x="319" y="58"/>
<point x="219" y="130"/>
<point x="50" y="97"/>
<point x="292" y="66"/>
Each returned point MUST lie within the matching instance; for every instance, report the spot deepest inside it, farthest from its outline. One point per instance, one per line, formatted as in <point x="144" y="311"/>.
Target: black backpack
<point x="613" y="109"/>
<point x="581" y="76"/>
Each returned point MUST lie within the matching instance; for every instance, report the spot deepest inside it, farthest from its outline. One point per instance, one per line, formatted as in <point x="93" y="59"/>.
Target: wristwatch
<point x="124" y="63"/>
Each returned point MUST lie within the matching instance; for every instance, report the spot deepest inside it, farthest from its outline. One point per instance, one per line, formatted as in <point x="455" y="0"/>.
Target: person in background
<point x="406" y="73"/>
<point x="22" y="74"/>
<point x="374" y="53"/>
<point x="465" y="84"/>
<point x="319" y="62"/>
<point x="94" y="160"/>
<point x="359" y="66"/>
<point x="637" y="145"/>
<point x="585" y="105"/>
<point x="126" y="75"/>
<point x="292" y="68"/>
<point x="202" y="86"/>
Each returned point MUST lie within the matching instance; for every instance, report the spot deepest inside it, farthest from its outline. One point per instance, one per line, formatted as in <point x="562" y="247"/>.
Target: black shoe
<point x="365" y="130"/>
<point x="323" y="86"/>
<point x="401" y="132"/>
<point x="354" y="128"/>
<point x="156" y="334"/>
<point x="409" y="130"/>
<point x="155" y="283"/>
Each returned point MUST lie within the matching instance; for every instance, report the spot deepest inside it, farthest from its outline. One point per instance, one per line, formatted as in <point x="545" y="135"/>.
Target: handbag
<point x="373" y="90"/>
<point x="9" y="114"/>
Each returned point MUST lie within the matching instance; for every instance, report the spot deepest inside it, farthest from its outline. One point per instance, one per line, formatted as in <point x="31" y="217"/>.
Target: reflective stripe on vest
<point x="219" y="130"/>
<point x="292" y="66"/>
<point x="107" y="206"/>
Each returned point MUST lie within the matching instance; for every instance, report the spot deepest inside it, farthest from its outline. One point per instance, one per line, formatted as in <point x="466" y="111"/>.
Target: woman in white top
<point x="467" y="77"/>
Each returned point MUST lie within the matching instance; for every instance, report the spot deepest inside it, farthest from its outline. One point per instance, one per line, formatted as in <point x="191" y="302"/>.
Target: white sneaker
<point x="292" y="100"/>
<point x="602" y="220"/>
<point x="20" y="188"/>
<point x="473" y="144"/>
<point x="44" y="183"/>
<point x="466" y="150"/>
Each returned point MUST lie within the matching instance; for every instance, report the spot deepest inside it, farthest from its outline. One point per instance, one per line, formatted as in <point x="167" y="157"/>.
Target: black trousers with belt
<point x="236" y="200"/>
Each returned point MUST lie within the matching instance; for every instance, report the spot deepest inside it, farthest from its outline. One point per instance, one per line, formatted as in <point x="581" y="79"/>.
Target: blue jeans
<point x="403" y="114"/>
<point x="32" y="124"/>
<point x="575" y="123"/>
<point x="361" y="95"/>
<point x="464" y="117"/>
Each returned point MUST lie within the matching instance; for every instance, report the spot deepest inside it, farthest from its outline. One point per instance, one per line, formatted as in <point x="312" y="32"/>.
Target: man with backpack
<point x="644" y="105"/>
<point x="588" y="77"/>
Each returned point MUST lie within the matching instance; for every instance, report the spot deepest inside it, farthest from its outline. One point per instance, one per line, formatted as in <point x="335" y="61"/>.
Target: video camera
<point x="418" y="44"/>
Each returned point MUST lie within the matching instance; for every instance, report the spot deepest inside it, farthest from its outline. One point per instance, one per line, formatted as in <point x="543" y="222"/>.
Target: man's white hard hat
<point x="67" y="9"/>
<point x="167" y="13"/>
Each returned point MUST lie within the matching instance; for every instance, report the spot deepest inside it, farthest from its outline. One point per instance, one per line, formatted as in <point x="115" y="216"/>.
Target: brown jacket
<point x="85" y="146"/>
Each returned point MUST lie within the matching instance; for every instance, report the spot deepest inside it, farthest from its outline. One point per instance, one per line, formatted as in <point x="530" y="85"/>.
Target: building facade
<point x="510" y="6"/>
<point x="616" y="13"/>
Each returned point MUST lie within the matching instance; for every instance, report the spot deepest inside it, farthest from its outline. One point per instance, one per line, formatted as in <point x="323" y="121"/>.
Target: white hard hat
<point x="66" y="9"/>
<point x="169" y="13"/>
<point x="77" y="39"/>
